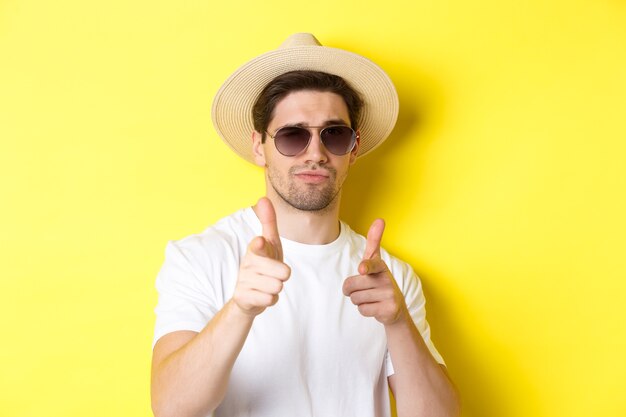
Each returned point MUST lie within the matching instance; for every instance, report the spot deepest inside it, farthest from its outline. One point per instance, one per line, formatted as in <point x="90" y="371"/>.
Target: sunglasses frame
<point x="355" y="137"/>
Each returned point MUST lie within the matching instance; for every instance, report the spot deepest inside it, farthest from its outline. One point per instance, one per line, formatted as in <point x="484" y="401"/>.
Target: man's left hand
<point x="375" y="291"/>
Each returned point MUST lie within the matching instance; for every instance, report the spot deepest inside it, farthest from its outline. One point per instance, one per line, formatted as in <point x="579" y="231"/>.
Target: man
<point x="281" y="309"/>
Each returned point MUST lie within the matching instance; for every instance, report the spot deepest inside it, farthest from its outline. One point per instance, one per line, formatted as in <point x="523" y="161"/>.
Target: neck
<point x="308" y="227"/>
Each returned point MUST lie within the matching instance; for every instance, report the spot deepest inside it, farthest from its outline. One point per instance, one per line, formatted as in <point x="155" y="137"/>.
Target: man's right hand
<point x="184" y="359"/>
<point x="262" y="271"/>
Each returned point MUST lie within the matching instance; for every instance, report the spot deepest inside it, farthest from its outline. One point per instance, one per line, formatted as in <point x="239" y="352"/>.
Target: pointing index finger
<point x="267" y="216"/>
<point x="374" y="237"/>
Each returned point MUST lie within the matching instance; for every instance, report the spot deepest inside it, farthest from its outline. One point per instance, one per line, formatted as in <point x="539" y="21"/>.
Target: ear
<point x="257" y="148"/>
<point x="355" y="151"/>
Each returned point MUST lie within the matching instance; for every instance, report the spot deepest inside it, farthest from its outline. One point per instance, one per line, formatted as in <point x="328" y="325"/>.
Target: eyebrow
<point x="331" y="122"/>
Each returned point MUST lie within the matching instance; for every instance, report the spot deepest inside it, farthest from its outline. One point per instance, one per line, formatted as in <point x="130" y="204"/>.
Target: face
<point x="311" y="180"/>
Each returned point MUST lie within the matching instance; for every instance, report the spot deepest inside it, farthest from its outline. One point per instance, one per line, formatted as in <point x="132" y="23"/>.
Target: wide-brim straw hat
<point x="232" y="105"/>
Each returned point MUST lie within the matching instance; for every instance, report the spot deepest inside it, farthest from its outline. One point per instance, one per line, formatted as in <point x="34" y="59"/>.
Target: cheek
<point x="352" y="157"/>
<point x="269" y="157"/>
<point x="274" y="169"/>
<point x="342" y="173"/>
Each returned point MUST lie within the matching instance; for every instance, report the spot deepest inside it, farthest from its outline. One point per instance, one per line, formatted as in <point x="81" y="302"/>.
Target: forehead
<point x="310" y="108"/>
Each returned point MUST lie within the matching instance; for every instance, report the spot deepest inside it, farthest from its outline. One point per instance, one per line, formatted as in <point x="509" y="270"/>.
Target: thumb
<point x="374" y="237"/>
<point x="267" y="216"/>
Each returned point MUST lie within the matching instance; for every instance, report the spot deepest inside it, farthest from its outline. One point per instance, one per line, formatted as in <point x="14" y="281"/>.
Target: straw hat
<point x="232" y="105"/>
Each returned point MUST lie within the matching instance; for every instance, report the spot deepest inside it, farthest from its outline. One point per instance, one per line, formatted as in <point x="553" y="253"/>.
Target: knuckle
<point x="346" y="290"/>
<point x="285" y="272"/>
<point x="366" y="310"/>
<point x="277" y="286"/>
<point x="265" y="299"/>
<point x="355" y="300"/>
<point x="273" y="300"/>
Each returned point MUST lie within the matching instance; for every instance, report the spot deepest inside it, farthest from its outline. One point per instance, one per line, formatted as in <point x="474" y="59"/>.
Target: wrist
<point x="402" y="321"/>
<point x="238" y="313"/>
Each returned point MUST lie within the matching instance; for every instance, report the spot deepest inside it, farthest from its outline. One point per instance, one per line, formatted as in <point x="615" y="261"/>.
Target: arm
<point x="182" y="361"/>
<point x="185" y="360"/>
<point x="420" y="385"/>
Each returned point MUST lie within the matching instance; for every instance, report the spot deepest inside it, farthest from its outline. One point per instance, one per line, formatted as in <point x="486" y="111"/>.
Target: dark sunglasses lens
<point x="338" y="139"/>
<point x="291" y="140"/>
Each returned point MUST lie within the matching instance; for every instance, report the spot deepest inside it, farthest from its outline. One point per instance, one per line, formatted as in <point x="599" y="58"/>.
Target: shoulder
<point x="225" y="239"/>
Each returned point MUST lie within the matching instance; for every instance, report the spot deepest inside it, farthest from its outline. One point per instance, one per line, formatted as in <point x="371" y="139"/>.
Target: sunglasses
<point x="291" y="140"/>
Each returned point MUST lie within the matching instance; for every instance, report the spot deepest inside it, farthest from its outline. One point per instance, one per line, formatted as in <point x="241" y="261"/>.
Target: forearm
<point x="192" y="380"/>
<point x="420" y="385"/>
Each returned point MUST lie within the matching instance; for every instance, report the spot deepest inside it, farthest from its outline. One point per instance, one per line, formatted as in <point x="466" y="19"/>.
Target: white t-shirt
<point x="311" y="354"/>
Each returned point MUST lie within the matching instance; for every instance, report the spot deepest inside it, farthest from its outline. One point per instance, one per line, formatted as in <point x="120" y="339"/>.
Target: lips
<point x="314" y="173"/>
<point x="312" y="176"/>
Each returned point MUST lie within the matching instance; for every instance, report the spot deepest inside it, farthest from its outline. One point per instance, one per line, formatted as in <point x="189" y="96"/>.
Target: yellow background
<point x="503" y="185"/>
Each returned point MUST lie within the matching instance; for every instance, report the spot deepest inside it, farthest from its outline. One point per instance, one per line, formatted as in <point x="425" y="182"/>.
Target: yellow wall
<point x="503" y="185"/>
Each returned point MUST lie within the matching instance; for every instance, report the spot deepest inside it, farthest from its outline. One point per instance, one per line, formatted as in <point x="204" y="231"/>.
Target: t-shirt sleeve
<point x="186" y="300"/>
<point x="411" y="287"/>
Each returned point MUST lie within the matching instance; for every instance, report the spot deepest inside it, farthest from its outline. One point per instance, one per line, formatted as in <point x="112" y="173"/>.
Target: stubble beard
<point x="306" y="197"/>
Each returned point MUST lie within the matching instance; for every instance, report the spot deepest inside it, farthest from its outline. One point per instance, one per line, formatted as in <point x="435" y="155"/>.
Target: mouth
<point x="313" y="176"/>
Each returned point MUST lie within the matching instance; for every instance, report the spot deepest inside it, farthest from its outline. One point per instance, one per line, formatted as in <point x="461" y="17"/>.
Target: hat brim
<point x="232" y="105"/>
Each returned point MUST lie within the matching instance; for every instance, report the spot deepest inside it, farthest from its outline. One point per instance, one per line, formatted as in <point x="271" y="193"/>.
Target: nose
<point x="316" y="152"/>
